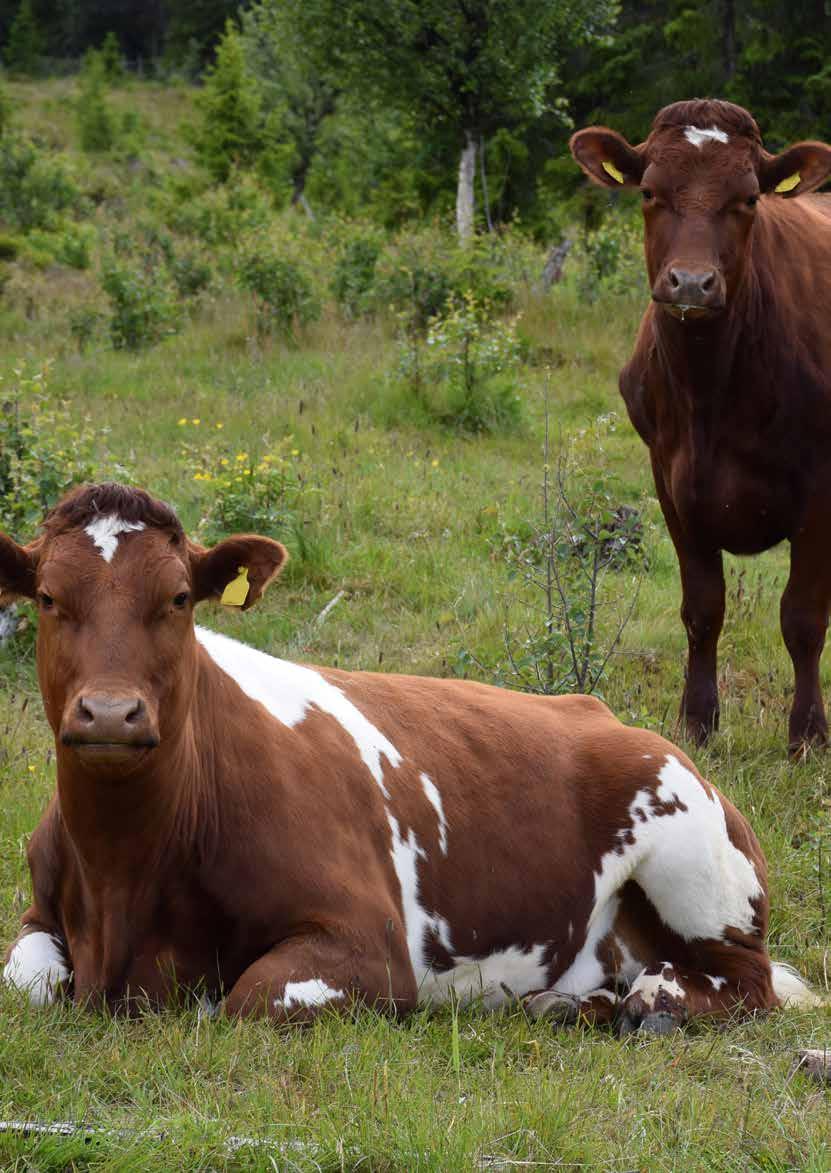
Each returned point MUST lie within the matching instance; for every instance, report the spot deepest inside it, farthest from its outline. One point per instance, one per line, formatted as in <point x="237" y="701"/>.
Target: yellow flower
<point x="182" y="422"/>
<point x="246" y="472"/>
<point x="435" y="464"/>
<point x="220" y="426"/>
<point x="197" y="421"/>
<point x="242" y="456"/>
<point x="295" y="451"/>
<point x="224" y="460"/>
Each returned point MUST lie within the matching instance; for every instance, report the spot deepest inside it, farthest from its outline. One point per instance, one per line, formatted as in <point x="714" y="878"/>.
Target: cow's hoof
<point x="563" y="1009"/>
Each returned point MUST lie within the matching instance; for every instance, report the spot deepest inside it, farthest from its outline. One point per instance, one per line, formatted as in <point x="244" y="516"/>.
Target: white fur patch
<point x="434" y="798"/>
<point x="36" y="964"/>
<point x="698" y="136"/>
<point x="105" y="531"/>
<point x="313" y="992"/>
<point x="586" y="972"/>
<point x="649" y="985"/>
<point x="716" y="982"/>
<point x="698" y="881"/>
<point x="289" y="691"/>
<point x="790" y="988"/>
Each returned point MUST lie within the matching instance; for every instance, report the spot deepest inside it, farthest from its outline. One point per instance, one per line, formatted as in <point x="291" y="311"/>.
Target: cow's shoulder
<point x="637" y="380"/>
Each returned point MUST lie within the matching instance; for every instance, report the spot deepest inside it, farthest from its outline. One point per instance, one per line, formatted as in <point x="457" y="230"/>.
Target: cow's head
<point x="116" y="582"/>
<point x="700" y="172"/>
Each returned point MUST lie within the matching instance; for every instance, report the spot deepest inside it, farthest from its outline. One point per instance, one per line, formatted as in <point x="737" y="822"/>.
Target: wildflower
<point x="219" y="427"/>
<point x="182" y="422"/>
<point x="295" y="451"/>
<point x="435" y="464"/>
<point x="196" y="421"/>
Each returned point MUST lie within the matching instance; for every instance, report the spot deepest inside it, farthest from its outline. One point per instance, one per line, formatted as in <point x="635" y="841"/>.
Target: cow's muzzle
<point x="109" y="727"/>
<point x="687" y="292"/>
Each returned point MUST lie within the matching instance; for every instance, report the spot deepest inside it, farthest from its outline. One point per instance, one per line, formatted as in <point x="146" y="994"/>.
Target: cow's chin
<point x="110" y="757"/>
<point x="690" y="313"/>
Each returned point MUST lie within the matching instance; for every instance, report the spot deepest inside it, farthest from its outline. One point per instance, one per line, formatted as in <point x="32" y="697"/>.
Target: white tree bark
<point x="464" y="192"/>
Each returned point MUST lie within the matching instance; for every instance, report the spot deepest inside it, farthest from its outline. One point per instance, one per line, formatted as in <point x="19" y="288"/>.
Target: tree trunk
<point x="464" y="192"/>
<point x="553" y="268"/>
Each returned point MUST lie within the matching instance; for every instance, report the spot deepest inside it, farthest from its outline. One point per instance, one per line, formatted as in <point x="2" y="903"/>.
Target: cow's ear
<point x="237" y="571"/>
<point x="802" y="168"/>
<point x="18" y="568"/>
<point x="607" y="158"/>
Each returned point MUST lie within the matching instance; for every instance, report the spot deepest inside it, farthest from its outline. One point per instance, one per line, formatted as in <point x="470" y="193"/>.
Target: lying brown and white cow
<point x="285" y="838"/>
<point x="730" y="381"/>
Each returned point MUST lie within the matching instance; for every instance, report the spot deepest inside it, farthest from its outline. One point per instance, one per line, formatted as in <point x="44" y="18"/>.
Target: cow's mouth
<point x="110" y="753"/>
<point x="689" y="313"/>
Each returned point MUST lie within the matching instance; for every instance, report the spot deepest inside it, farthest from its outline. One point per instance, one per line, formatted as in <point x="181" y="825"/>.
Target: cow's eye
<point x="647" y="194"/>
<point x="46" y="601"/>
<point x="181" y="599"/>
<point x="752" y="201"/>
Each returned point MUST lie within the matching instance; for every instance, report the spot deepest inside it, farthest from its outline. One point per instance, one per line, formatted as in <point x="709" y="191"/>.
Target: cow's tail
<point x="791" y="989"/>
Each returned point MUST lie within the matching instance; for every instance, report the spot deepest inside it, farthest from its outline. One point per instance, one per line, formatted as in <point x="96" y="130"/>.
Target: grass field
<point x="410" y="520"/>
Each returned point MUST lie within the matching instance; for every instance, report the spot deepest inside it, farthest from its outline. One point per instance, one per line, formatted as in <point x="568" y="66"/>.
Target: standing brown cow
<point x="285" y="838"/>
<point x="730" y="382"/>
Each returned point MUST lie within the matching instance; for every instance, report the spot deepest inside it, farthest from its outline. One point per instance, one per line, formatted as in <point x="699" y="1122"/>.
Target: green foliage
<point x="143" y="307"/>
<point x="45" y="447"/>
<point x="353" y="273"/>
<point x="112" y="59"/>
<point x="241" y="492"/>
<point x="465" y="372"/>
<point x="25" y="44"/>
<point x="231" y="132"/>
<point x="283" y="294"/>
<point x="610" y="259"/>
<point x="572" y="566"/>
<point x="35" y="187"/>
<point x="221" y="215"/>
<point x="84" y="325"/>
<point x="191" y="273"/>
<point x="95" y="118"/>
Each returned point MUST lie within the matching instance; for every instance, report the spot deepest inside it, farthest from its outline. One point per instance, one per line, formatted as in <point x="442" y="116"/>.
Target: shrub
<point x="95" y="118"/>
<point x="34" y="186"/>
<point x="143" y="306"/>
<point x="220" y="215"/>
<point x="112" y="59"/>
<point x="465" y="370"/>
<point x="191" y="274"/>
<point x="353" y="276"/>
<point x="84" y="325"/>
<point x="283" y="295"/>
<point x="610" y="259"/>
<point x="45" y="447"/>
<point x="230" y="135"/>
<point x="242" y="493"/>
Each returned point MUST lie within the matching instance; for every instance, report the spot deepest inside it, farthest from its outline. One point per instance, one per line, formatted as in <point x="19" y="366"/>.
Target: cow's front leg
<point x="804" y="618"/>
<point x="38" y="964"/>
<point x="311" y="972"/>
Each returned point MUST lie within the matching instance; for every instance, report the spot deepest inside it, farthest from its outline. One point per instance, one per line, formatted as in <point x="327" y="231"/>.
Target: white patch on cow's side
<point x="36" y="964"/>
<point x="469" y="978"/>
<point x="586" y="972"/>
<point x="699" y="136"/>
<point x="698" y="881"/>
<point x="649" y="985"/>
<point x="105" y="531"/>
<point x="716" y="982"/>
<point x="289" y="691"/>
<point x="434" y="798"/>
<point x="313" y="992"/>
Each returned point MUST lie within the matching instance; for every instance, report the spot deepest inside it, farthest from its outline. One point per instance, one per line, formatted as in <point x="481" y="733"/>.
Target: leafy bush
<point x="465" y="371"/>
<point x="610" y="259"/>
<point x="353" y="276"/>
<point x="143" y="306"/>
<point x="34" y="186"/>
<point x="84" y="325"/>
<point x="95" y="118"/>
<point x="231" y="132"/>
<point x="220" y="215"/>
<point x="45" y="447"/>
<point x="283" y="295"/>
<point x="191" y="273"/>
<point x="243" y="493"/>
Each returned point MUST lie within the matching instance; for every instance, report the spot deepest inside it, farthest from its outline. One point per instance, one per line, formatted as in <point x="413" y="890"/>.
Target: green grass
<point x="408" y="520"/>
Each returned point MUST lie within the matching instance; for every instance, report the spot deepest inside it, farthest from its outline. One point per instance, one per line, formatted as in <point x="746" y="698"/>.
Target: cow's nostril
<point x="673" y="279"/>
<point x="84" y="712"/>
<point x="135" y="713"/>
<point x="708" y="282"/>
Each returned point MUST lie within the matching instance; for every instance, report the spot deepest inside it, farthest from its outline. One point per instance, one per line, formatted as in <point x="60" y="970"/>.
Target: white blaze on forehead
<point x="650" y="985"/>
<point x="288" y="691"/>
<point x="105" y="531"/>
<point x="37" y="965"/>
<point x="434" y="798"/>
<point x="699" y="136"/>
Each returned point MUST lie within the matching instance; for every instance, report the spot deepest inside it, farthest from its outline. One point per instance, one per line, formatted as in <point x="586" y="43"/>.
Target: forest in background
<point x="371" y="109"/>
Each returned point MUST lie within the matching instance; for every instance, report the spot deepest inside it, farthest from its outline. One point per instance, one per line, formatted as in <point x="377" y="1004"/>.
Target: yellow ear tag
<point x="236" y="591"/>
<point x="790" y="183"/>
<point x="610" y="169"/>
